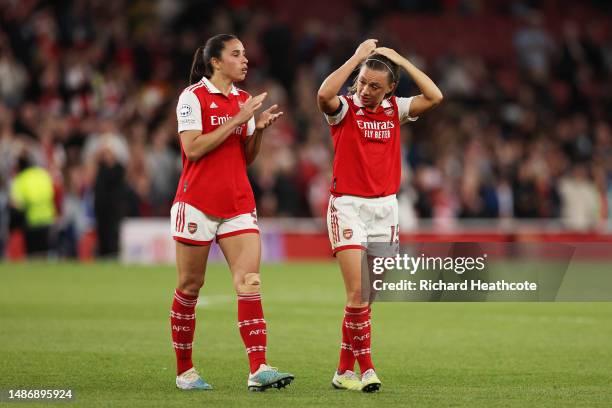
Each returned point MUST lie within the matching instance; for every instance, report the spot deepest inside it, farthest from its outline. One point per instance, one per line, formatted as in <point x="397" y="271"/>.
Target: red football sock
<point x="252" y="328"/>
<point x="182" y="320"/>
<point x="357" y="322"/>
<point x="347" y="358"/>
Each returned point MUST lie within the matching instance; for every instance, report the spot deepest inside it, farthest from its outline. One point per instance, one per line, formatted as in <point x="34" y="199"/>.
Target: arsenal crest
<point x="347" y="233"/>
<point x="192" y="227"/>
<point x="389" y="112"/>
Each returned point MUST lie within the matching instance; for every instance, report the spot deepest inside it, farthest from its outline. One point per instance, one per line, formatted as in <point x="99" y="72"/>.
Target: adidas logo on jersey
<point x="359" y="112"/>
<point x="213" y="105"/>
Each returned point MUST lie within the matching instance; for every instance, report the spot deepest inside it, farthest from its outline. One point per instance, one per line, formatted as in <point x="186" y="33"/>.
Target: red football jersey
<point x="367" y="158"/>
<point x="217" y="183"/>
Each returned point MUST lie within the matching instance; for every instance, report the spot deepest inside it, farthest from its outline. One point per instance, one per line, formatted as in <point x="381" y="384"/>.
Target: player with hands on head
<point x="362" y="216"/>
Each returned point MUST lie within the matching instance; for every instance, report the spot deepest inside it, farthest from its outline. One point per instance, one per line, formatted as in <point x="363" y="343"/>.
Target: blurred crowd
<point x="88" y="91"/>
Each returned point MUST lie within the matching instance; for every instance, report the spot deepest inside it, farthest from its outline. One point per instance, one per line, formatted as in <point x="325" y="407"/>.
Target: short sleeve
<point x="188" y="112"/>
<point x="337" y="117"/>
<point x="403" y="108"/>
<point x="251" y="126"/>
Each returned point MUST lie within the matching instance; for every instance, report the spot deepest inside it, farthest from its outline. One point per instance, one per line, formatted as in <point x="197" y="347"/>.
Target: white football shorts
<point x="371" y="224"/>
<point x="191" y="226"/>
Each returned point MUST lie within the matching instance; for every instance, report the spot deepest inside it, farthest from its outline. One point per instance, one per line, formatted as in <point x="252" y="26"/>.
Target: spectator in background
<point x="109" y="199"/>
<point x="581" y="200"/>
<point x="534" y="46"/>
<point x="73" y="221"/>
<point x="32" y="197"/>
<point x="13" y="76"/>
<point x="164" y="169"/>
<point x="4" y="216"/>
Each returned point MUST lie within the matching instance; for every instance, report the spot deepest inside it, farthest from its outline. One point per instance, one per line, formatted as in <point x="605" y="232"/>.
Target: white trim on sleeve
<point x="188" y="112"/>
<point x="403" y="108"/>
<point x="334" y="120"/>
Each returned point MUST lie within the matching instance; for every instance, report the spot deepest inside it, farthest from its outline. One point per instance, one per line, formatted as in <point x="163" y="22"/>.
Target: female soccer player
<point x="366" y="176"/>
<point x="219" y="138"/>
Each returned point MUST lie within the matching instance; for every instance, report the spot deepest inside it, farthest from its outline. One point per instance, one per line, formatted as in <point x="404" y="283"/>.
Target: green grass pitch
<point x="103" y="331"/>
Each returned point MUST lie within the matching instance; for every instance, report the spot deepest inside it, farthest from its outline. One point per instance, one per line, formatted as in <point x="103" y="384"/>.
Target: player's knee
<point x="191" y="286"/>
<point x="249" y="283"/>
<point x="354" y="299"/>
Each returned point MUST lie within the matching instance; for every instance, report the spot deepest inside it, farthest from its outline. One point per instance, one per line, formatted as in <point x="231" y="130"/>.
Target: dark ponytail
<point x="201" y="65"/>
<point x="379" y="62"/>
<point x="197" y="66"/>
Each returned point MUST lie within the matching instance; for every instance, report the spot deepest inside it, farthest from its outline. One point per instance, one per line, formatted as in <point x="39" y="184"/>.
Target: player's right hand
<point x="365" y="49"/>
<point x="249" y="107"/>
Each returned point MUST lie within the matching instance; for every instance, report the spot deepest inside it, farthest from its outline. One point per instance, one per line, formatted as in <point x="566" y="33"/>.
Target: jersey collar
<point x="384" y="104"/>
<point x="213" y="89"/>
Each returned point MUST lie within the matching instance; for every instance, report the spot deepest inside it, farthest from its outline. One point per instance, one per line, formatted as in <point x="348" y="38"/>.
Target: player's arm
<point x="430" y="94"/>
<point x="196" y="144"/>
<point x="253" y="142"/>
<point x="327" y="96"/>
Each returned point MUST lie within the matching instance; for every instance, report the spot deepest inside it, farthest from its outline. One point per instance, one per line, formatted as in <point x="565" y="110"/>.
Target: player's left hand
<point x="267" y="117"/>
<point x="389" y="53"/>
